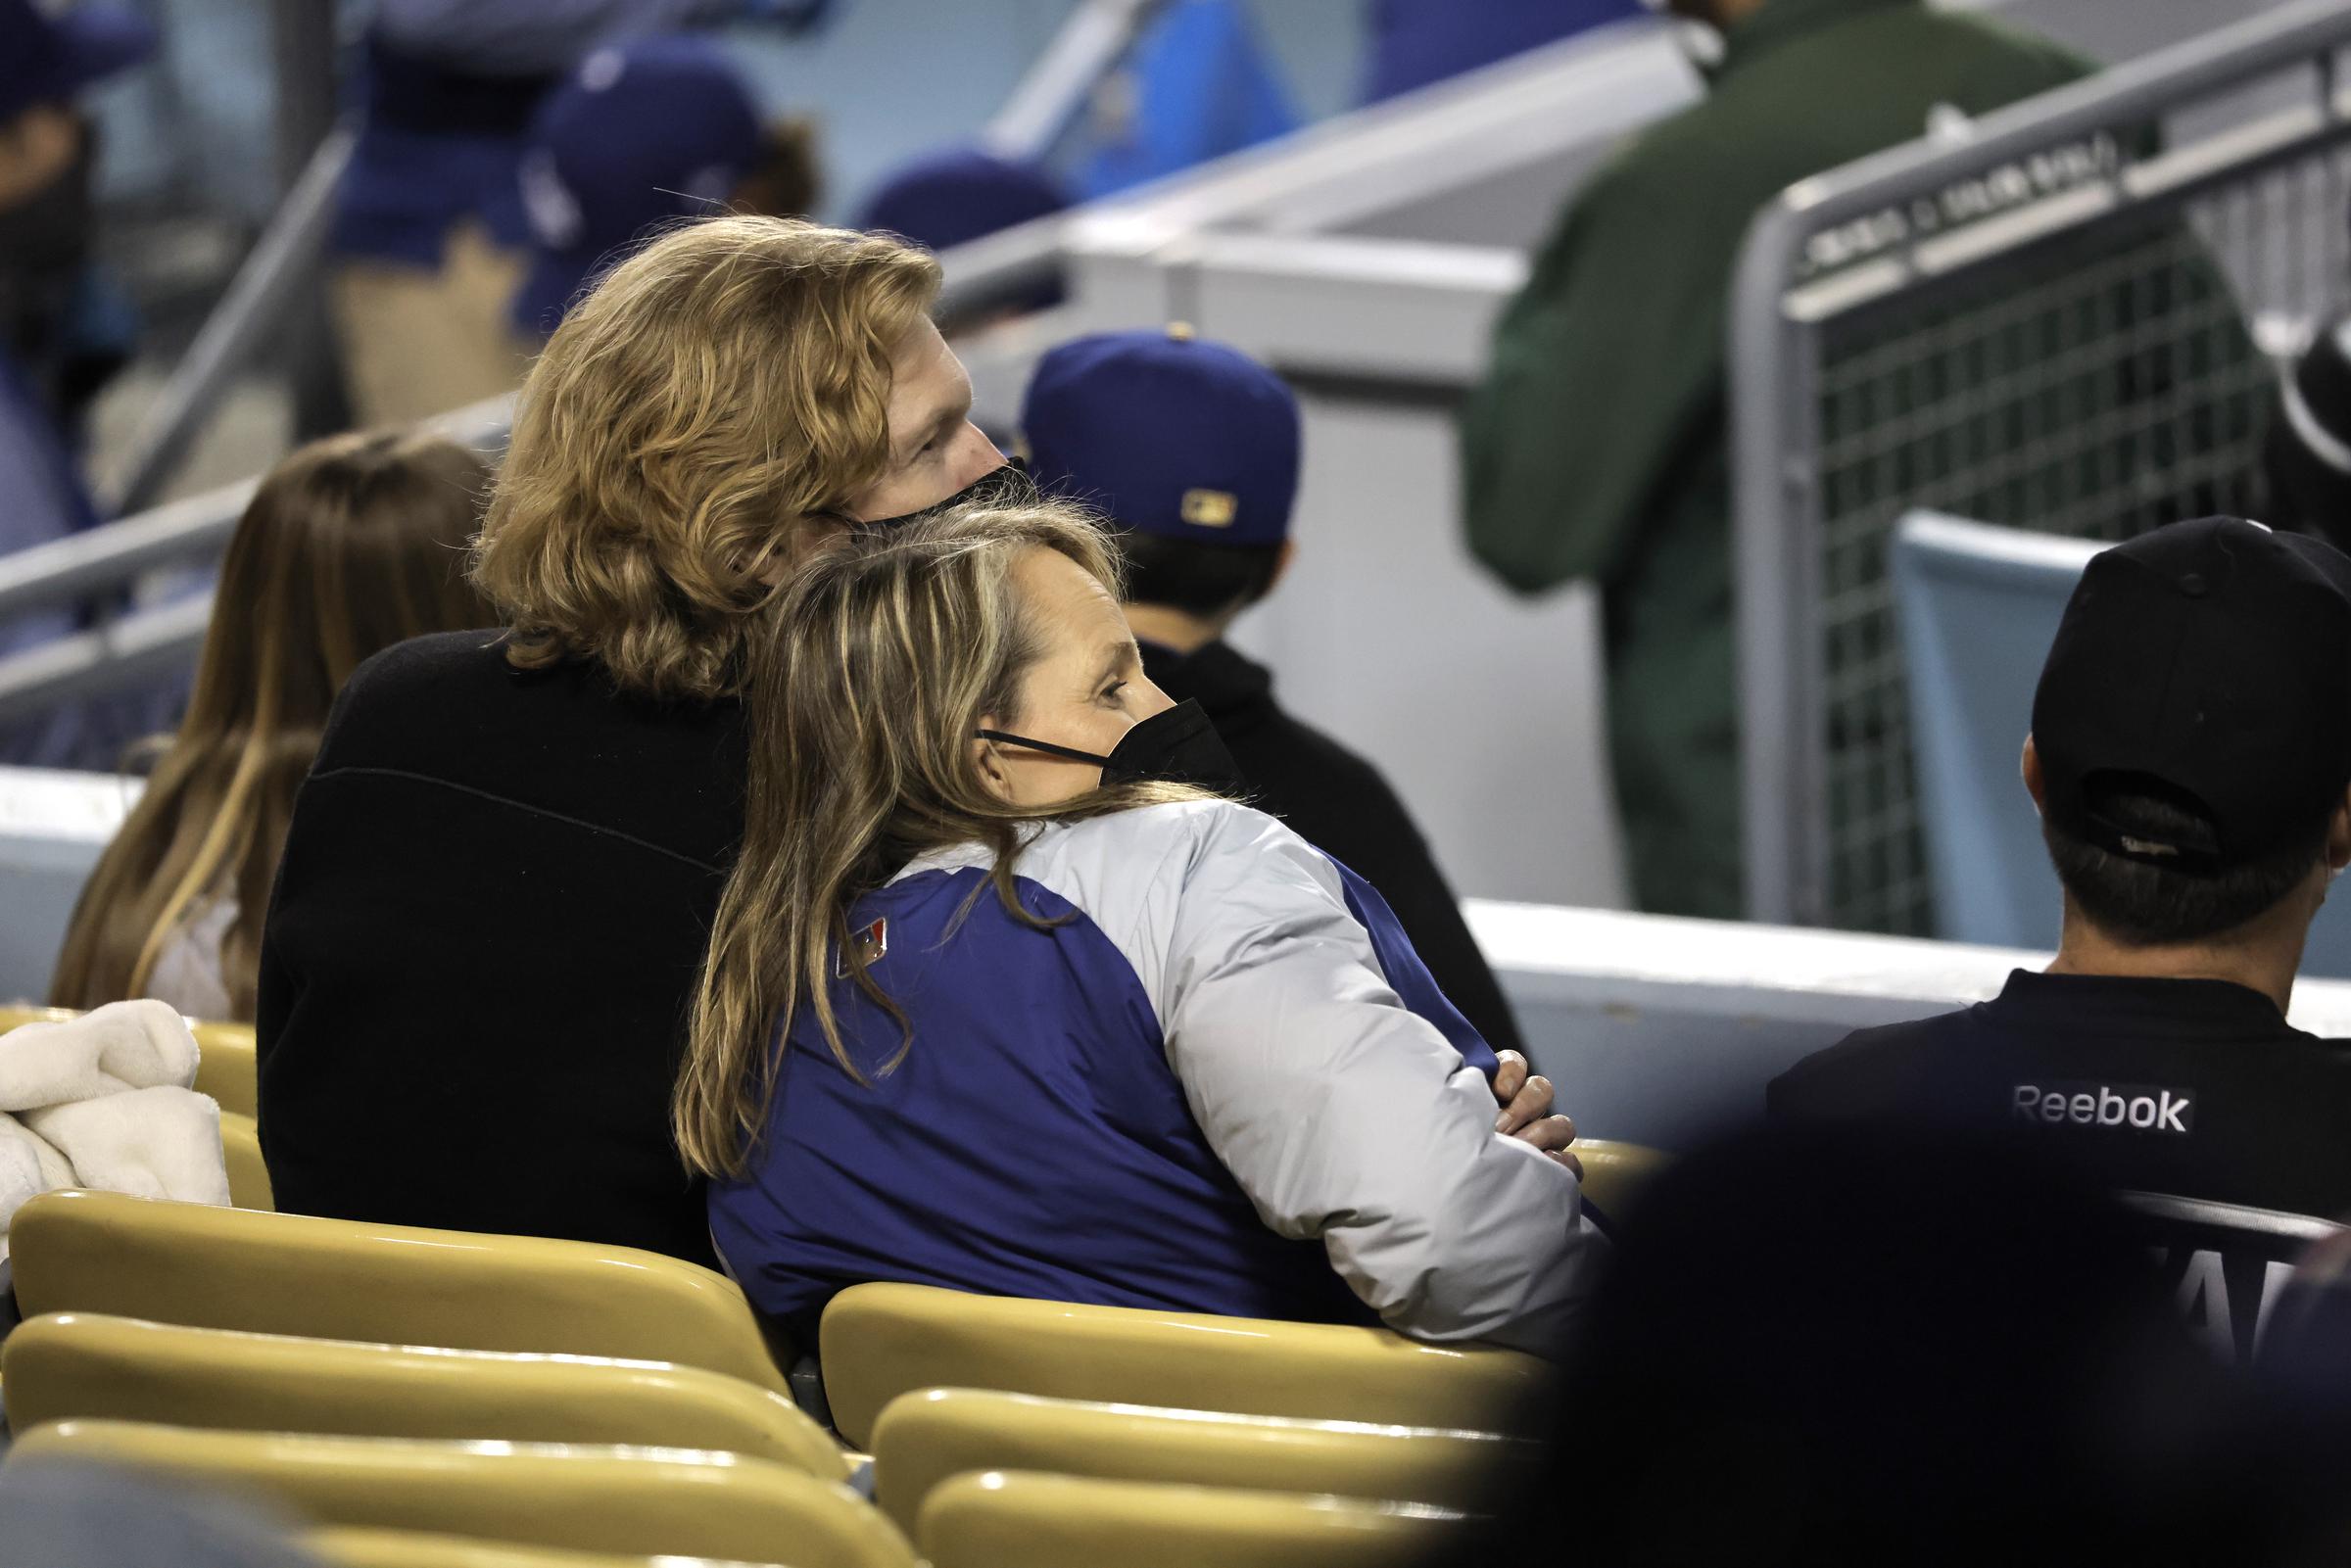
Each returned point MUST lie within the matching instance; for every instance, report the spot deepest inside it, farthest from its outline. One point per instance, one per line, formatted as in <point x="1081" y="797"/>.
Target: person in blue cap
<point x="1192" y="448"/>
<point x="656" y="130"/>
<point x="960" y="194"/>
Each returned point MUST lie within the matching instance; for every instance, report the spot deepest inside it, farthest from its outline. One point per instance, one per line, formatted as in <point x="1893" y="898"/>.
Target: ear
<point x="2030" y="766"/>
<point x="2339" y="835"/>
<point x="992" y="771"/>
<point x="1281" y="565"/>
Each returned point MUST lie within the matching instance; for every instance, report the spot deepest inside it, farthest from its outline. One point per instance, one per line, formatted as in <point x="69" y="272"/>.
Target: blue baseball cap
<point x="941" y="200"/>
<point x="45" y="59"/>
<point x="659" y="128"/>
<point x="1168" y="433"/>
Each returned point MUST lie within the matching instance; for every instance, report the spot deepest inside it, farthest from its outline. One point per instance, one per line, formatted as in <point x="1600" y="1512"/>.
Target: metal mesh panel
<point x="2096" y="386"/>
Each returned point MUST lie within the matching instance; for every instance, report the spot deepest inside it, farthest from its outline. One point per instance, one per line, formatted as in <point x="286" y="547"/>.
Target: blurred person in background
<point x="648" y="131"/>
<point x="1596" y="446"/>
<point x="430" y="237"/>
<point x="2306" y="457"/>
<point x="2190" y="759"/>
<point x="1198" y="84"/>
<point x="1417" y="42"/>
<point x="949" y="198"/>
<point x="1192" y="449"/>
<point x="64" y="325"/>
<point x="1190" y="1062"/>
<point x="351" y="544"/>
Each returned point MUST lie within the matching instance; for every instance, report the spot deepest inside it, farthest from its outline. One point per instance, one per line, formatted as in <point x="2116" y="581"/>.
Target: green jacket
<point x="1597" y="446"/>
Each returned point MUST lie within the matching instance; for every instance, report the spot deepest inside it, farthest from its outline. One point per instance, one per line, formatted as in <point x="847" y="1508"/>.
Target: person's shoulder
<point x="1867" y="1069"/>
<point x="2042" y="61"/>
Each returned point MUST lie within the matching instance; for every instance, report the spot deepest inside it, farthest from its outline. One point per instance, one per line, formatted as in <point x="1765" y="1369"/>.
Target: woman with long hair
<point x="351" y="544"/>
<point x="996" y="1000"/>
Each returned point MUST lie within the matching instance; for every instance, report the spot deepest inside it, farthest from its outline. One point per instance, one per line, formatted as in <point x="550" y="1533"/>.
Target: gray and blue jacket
<point x="1219" y="1081"/>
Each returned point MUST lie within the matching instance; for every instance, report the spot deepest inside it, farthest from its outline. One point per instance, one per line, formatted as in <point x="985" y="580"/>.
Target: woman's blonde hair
<point x="351" y="544"/>
<point x="868" y="683"/>
<point x="720" y="391"/>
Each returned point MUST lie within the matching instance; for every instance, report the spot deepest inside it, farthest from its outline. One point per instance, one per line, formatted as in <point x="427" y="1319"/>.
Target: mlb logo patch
<point x="869" y="943"/>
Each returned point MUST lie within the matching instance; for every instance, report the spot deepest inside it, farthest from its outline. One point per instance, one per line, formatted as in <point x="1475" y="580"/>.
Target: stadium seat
<point x="84" y="1366"/>
<point x="93" y="1251"/>
<point x="1615" y="1172"/>
<point x="406" y="1548"/>
<point x="1047" y="1521"/>
<point x="880" y="1341"/>
<point x="596" y="1498"/>
<point x="927" y="1437"/>
<point x="1979" y="607"/>
<point x="248" y="1173"/>
<point x="224" y="1064"/>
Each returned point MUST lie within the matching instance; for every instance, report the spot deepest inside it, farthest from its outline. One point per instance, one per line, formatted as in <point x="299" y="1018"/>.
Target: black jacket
<point x="1338" y="802"/>
<point x="478" y="960"/>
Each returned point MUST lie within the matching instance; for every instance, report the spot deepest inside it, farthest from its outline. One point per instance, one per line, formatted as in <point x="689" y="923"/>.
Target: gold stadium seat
<point x="247" y="1174"/>
<point x="1001" y="1518"/>
<point x="404" y="1548"/>
<point x="1615" y="1172"/>
<point x="82" y="1366"/>
<point x="648" y="1502"/>
<point x="880" y="1341"/>
<point x="224" y="1063"/>
<point x="207" y="1267"/>
<point x="924" y="1439"/>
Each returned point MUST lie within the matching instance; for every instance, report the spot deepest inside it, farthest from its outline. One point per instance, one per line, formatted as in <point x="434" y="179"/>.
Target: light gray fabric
<point x="1344" y="1116"/>
<point x="188" y="972"/>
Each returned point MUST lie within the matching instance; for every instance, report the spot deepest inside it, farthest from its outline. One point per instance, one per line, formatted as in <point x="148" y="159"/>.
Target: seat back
<point x="84" y="1366"/>
<point x="248" y="1172"/>
<point x="881" y="1341"/>
<point x="1615" y="1172"/>
<point x="2226" y="1264"/>
<point x="1047" y="1521"/>
<point x="1979" y="608"/>
<point x="926" y="1438"/>
<point x="235" y="1269"/>
<point x="628" y="1500"/>
<point x="406" y="1548"/>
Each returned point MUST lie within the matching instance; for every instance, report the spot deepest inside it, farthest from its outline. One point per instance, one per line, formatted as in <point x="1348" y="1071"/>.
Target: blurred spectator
<point x="1416" y="42"/>
<point x="2308" y="451"/>
<point x="1192" y="449"/>
<point x="502" y="871"/>
<point x="1596" y="446"/>
<point x="351" y="544"/>
<point x="61" y="1515"/>
<point x="63" y="320"/>
<point x="2190" y="756"/>
<point x="659" y="129"/>
<point x="949" y="198"/>
<point x="1197" y="85"/>
<point x="1941" y="1351"/>
<point x="430" y="232"/>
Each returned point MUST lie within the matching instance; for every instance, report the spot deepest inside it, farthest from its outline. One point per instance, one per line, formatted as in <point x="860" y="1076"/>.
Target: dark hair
<point x="2146" y="905"/>
<point x="1196" y="578"/>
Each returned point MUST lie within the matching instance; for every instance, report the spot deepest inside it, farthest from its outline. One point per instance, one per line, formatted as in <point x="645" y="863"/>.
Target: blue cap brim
<point x="94" y="42"/>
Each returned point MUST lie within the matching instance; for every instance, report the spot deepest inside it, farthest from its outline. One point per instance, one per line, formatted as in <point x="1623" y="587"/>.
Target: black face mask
<point x="1008" y="486"/>
<point x="1177" y="747"/>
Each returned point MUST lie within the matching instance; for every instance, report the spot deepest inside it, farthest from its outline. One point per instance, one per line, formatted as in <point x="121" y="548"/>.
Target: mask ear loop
<point x="1073" y="753"/>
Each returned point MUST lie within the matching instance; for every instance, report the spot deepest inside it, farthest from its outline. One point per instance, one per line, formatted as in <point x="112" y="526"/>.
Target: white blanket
<point x="103" y="1101"/>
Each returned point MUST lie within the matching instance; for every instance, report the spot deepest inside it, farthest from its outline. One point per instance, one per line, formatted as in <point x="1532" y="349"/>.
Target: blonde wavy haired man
<point x="500" y="872"/>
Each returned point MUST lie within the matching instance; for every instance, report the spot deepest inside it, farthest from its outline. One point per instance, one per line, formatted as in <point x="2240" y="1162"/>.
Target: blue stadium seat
<point x="1979" y="607"/>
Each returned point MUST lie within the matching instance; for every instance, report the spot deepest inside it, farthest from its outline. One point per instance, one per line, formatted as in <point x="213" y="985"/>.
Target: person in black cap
<point x="2190" y="756"/>
<point x="1192" y="447"/>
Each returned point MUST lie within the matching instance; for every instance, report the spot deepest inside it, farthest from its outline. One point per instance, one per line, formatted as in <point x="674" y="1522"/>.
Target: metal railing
<point x="2037" y="319"/>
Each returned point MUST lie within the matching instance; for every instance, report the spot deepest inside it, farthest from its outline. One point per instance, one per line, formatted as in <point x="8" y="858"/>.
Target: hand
<point x="1525" y="1099"/>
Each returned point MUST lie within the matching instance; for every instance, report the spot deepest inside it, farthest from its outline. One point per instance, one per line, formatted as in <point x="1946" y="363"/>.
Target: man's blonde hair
<point x="718" y="394"/>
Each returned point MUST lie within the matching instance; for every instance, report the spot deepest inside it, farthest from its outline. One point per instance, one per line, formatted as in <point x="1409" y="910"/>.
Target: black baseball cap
<point x="2208" y="663"/>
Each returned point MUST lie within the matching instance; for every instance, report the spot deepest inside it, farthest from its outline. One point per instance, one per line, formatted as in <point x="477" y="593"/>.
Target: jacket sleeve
<point x="1348" y="1118"/>
<point x="1602" y="369"/>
